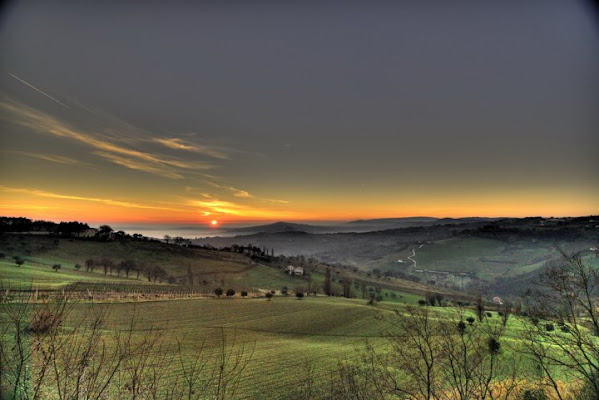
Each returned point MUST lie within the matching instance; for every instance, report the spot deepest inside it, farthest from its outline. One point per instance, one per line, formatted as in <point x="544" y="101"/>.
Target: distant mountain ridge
<point x="361" y="225"/>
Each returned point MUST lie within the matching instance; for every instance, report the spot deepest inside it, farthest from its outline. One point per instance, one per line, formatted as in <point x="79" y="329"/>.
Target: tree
<point x="19" y="261"/>
<point x="299" y="295"/>
<point x="167" y="238"/>
<point x="56" y="267"/>
<point x="326" y="287"/>
<point x="244" y="294"/>
<point x="269" y="296"/>
<point x="108" y="264"/>
<point x="189" y="276"/>
<point x="230" y="293"/>
<point x="480" y="307"/>
<point x="284" y="290"/>
<point x="90" y="265"/>
<point x="346" y="287"/>
<point x="105" y="231"/>
<point x="218" y="292"/>
<point x="77" y="267"/>
<point x="567" y="292"/>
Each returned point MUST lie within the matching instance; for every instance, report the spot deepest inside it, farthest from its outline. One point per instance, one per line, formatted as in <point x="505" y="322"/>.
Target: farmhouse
<point x="87" y="233"/>
<point x="298" y="271"/>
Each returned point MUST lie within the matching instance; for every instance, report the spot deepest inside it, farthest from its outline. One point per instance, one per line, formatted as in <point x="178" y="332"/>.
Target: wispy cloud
<point x="140" y="165"/>
<point x="213" y="206"/>
<point x="38" y="90"/>
<point x="49" y="157"/>
<point x="120" y="203"/>
<point x="180" y="144"/>
<point x="242" y="194"/>
<point x="152" y="163"/>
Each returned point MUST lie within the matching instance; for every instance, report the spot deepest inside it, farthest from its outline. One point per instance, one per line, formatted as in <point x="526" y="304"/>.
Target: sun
<point x="214" y="222"/>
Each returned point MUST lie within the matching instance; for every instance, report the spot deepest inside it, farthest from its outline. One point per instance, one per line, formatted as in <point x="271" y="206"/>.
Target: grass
<point x="283" y="335"/>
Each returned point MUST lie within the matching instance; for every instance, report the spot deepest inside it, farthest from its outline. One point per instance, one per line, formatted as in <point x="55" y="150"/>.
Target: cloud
<point x="179" y="144"/>
<point x="48" y="157"/>
<point x="214" y="206"/>
<point x="155" y="164"/>
<point x="241" y="193"/>
<point x="42" y="193"/>
<point x="140" y="165"/>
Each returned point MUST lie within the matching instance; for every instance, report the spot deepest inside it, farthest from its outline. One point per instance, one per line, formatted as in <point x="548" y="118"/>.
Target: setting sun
<point x="214" y="222"/>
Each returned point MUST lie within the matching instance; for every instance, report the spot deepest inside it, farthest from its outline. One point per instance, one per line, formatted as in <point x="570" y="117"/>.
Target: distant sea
<point x="186" y="231"/>
<point x="192" y="231"/>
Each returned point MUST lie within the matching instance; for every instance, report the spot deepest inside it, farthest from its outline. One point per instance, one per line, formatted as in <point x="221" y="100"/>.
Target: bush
<point x="56" y="267"/>
<point x="494" y="346"/>
<point x="269" y="295"/>
<point x="19" y="261"/>
<point x="284" y="290"/>
<point x="230" y="293"/>
<point x="244" y="294"/>
<point x="218" y="292"/>
<point x="299" y="295"/>
<point x="77" y="267"/>
<point x="549" y="327"/>
<point x="422" y="302"/>
<point x="470" y="320"/>
<point x="45" y="320"/>
<point x="489" y="315"/>
<point x="534" y="394"/>
<point x="461" y="327"/>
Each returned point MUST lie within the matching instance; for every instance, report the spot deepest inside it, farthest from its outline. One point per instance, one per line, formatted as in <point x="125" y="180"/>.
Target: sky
<point x="301" y="111"/>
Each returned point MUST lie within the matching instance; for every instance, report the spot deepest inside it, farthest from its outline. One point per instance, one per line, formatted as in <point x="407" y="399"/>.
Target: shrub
<point x="422" y="302"/>
<point x="284" y="290"/>
<point x="56" y="267"/>
<point x="489" y="315"/>
<point x="19" y="261"/>
<point x="494" y="346"/>
<point x="269" y="295"/>
<point x="461" y="327"/>
<point x="244" y="293"/>
<point x="534" y="394"/>
<point x="549" y="327"/>
<point x="230" y="293"/>
<point x="218" y="292"/>
<point x="45" y="320"/>
<point x="77" y="267"/>
<point x="299" y="295"/>
<point x="470" y="320"/>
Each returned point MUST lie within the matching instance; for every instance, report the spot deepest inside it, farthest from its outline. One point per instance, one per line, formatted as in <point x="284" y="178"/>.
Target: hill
<point x="448" y="254"/>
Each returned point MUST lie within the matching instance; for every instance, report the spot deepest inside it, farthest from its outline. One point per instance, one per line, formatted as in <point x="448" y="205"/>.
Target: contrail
<point x="38" y="90"/>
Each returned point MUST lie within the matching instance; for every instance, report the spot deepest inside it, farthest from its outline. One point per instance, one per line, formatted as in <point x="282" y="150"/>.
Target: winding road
<point x="411" y="258"/>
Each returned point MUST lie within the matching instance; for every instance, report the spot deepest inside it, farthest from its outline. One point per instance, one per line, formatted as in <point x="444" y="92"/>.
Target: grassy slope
<point x="488" y="258"/>
<point x="285" y="334"/>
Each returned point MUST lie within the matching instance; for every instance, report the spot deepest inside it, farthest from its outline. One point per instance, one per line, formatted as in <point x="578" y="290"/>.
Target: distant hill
<point x="281" y="227"/>
<point x="358" y="226"/>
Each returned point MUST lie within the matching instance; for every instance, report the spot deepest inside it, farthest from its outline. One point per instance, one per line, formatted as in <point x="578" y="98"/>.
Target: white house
<point x="298" y="271"/>
<point x="91" y="232"/>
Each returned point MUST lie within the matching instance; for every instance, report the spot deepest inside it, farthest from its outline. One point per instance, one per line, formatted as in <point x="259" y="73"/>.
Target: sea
<point x="191" y="231"/>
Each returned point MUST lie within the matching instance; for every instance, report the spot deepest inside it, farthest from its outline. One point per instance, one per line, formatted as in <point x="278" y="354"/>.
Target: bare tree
<point x="567" y="293"/>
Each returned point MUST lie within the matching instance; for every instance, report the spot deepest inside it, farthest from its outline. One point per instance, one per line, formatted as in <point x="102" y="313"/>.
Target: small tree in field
<point x="218" y="292"/>
<point x="269" y="296"/>
<point x="77" y="267"/>
<point x="19" y="261"/>
<point x="56" y="267"/>
<point x="299" y="295"/>
<point x="244" y="294"/>
<point x="230" y="293"/>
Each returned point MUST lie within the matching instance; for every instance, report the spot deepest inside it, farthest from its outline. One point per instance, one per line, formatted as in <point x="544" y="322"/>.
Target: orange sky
<point x="200" y="112"/>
